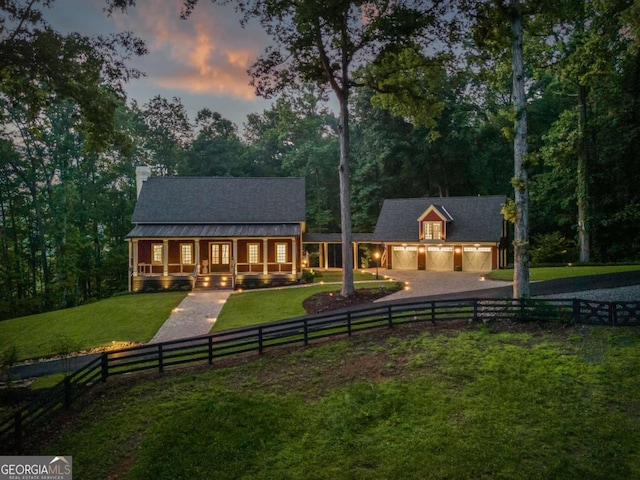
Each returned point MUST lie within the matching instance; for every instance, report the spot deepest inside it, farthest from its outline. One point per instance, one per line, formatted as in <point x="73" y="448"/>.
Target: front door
<point x="220" y="258"/>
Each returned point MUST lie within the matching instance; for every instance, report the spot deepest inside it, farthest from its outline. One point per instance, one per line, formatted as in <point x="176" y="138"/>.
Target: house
<point x="443" y="233"/>
<point x="215" y="232"/>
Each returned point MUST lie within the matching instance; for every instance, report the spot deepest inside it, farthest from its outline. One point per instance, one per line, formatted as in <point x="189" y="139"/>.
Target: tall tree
<point x="39" y="63"/>
<point x="166" y="133"/>
<point x="497" y="21"/>
<point x="297" y="137"/>
<point x="216" y="150"/>
<point x="59" y="96"/>
<point x="521" y="179"/>
<point x="324" y="43"/>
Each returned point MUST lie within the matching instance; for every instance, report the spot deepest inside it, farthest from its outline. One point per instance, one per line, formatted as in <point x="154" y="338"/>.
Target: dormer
<point x="433" y="223"/>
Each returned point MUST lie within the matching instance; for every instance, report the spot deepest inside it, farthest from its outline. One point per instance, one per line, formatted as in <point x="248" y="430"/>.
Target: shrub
<point x="552" y="248"/>
<point x="307" y="276"/>
<point x="249" y="283"/>
<point x="8" y="358"/>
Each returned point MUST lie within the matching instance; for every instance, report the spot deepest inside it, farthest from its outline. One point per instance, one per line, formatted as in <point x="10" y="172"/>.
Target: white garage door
<point x="440" y="259"/>
<point x="476" y="259"/>
<point x="405" y="258"/>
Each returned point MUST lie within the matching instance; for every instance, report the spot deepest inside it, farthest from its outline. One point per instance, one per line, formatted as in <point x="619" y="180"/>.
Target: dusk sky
<point x="202" y="60"/>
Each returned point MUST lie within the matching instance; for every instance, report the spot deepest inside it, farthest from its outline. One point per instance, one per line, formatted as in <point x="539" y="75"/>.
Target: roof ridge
<point x="185" y="177"/>
<point x="444" y="198"/>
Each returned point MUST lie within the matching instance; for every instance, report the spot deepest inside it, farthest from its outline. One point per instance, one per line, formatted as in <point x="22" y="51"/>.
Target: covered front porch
<point x="185" y="263"/>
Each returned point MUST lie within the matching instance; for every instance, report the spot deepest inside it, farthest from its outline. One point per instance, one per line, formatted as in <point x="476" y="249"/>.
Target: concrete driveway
<point x="425" y="284"/>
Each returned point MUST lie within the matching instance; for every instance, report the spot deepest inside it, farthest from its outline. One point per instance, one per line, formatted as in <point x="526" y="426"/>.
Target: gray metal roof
<point x="475" y="219"/>
<point x="218" y="200"/>
<point x="335" y="237"/>
<point x="226" y="230"/>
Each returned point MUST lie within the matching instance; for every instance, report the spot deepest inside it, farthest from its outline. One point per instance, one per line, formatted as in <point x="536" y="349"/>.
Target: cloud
<point x="207" y="53"/>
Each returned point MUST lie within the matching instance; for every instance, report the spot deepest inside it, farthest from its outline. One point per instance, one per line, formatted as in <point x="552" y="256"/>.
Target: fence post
<point x="576" y="310"/>
<point x="260" y="340"/>
<point x="306" y="333"/>
<point x="105" y="366"/>
<point x="389" y="316"/>
<point x="613" y="318"/>
<point x="475" y="309"/>
<point x="349" y="323"/>
<point x="67" y="392"/>
<point x="160" y="359"/>
<point x="18" y="428"/>
<point x="210" y="350"/>
<point x="433" y="311"/>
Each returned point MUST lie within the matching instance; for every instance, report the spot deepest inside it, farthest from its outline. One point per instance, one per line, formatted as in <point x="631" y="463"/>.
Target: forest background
<point x="70" y="141"/>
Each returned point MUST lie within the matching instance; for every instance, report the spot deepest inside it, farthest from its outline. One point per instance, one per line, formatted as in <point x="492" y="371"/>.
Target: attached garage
<point x="476" y="259"/>
<point x="450" y="234"/>
<point x="405" y="258"/>
<point x="440" y="259"/>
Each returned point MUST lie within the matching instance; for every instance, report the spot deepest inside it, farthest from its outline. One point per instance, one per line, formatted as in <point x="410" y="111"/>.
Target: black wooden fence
<point x="302" y="331"/>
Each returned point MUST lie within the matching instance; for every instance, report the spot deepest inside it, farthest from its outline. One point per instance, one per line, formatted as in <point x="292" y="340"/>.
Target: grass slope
<point x="259" y="306"/>
<point x="551" y="273"/>
<point x="126" y="318"/>
<point x="405" y="403"/>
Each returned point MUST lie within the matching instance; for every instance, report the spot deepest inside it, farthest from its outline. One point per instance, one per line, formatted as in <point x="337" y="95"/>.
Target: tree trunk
<point x="582" y="187"/>
<point x="520" y="181"/>
<point x="348" y="288"/>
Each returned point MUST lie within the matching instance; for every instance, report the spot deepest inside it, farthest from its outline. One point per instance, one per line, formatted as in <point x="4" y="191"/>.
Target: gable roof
<point x="475" y="219"/>
<point x="220" y="200"/>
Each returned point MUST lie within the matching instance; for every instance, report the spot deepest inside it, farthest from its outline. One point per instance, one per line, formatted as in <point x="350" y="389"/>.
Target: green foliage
<point x="407" y="84"/>
<point x="509" y="211"/>
<point x="308" y="276"/>
<point x="8" y="358"/>
<point x="552" y="248"/>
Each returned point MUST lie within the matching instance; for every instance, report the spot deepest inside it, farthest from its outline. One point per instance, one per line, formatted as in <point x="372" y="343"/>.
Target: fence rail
<point x="302" y="331"/>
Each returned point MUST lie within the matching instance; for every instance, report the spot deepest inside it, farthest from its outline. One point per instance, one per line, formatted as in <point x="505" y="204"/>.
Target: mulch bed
<point x="327" y="301"/>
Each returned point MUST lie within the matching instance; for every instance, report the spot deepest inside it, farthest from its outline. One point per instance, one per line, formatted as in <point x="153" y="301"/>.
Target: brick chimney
<point x="142" y="173"/>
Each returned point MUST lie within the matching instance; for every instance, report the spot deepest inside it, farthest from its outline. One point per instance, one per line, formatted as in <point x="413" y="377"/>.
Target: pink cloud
<point x="208" y="53"/>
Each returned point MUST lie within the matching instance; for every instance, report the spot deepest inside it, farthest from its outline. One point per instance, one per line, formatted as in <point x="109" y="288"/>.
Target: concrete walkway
<point x="195" y="315"/>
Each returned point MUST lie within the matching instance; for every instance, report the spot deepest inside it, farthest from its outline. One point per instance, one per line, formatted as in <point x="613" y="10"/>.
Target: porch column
<point x="355" y="255"/>
<point x="134" y="256"/>
<point x="294" y="255"/>
<point x="234" y="257"/>
<point x="325" y="250"/>
<point x="197" y="254"/>
<point x="165" y="258"/>
<point x="265" y="253"/>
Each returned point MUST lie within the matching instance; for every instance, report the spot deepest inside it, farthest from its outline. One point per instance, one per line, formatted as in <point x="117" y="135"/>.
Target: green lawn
<point x="126" y="318"/>
<point x="551" y="273"/>
<point x="259" y="306"/>
<point x="449" y="405"/>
